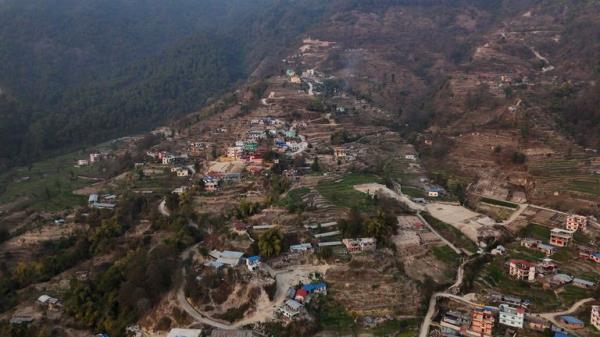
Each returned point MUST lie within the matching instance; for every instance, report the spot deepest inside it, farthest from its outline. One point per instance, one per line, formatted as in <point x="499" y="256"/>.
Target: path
<point x="379" y="188"/>
<point x="424" y="331"/>
<point x="162" y="208"/>
<point x="551" y="316"/>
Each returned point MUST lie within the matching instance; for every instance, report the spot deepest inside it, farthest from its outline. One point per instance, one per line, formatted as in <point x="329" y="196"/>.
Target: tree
<point x="315" y="167"/>
<point x="270" y="242"/>
<point x="172" y="201"/>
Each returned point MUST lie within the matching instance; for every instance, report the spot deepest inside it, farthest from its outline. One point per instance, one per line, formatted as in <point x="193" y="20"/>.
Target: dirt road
<point x="551" y="316"/>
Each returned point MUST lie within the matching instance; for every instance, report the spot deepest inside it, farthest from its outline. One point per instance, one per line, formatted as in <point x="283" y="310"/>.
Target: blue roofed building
<point x="315" y="288"/>
<point x="253" y="262"/>
<point x="572" y="322"/>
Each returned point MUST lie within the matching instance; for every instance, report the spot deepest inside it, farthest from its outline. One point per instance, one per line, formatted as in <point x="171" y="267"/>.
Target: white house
<point x="179" y="332"/>
<point x="514" y="317"/>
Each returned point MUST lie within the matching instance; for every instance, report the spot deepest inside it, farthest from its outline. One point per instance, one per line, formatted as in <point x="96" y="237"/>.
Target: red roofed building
<point x="301" y="295"/>
<point x="522" y="270"/>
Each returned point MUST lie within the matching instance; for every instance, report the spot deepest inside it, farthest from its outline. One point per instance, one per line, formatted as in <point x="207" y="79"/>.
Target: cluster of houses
<point x="228" y="258"/>
<point x="297" y="297"/>
<point x="481" y="320"/>
<point x="93" y="158"/>
<point x="546" y="272"/>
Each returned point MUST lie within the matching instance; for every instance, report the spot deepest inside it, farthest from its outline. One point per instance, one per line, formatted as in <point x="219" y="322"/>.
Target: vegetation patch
<point x="499" y="203"/>
<point x="341" y="192"/>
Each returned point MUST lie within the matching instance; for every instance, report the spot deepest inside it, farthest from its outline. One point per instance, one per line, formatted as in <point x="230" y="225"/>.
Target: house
<point x="581" y="283"/>
<point x="235" y="152"/>
<point x="232" y="333"/>
<point x="179" y="332"/>
<point x="572" y="322"/>
<point x="455" y="321"/>
<point x="511" y="316"/>
<point x="93" y="198"/>
<point x="560" y="279"/>
<point x="522" y="270"/>
<point x="316" y="288"/>
<point x="82" y="162"/>
<point x="20" y="319"/>
<point x="576" y="222"/>
<point x="359" y="245"/>
<point x="301" y="295"/>
<point x="482" y="322"/>
<point x="537" y="323"/>
<point x="168" y="159"/>
<point x="560" y="237"/>
<point x="351" y="245"/>
<point x="290" y="309"/>
<point x="546" y="249"/>
<point x="586" y="253"/>
<point x="182" y="172"/>
<point x="295" y="79"/>
<point x="226" y="257"/>
<point x="595" y="317"/>
<point x="434" y="192"/>
<point x="499" y="250"/>
<point x="410" y="157"/>
<point x="94" y="157"/>
<point x="546" y="267"/>
<point x="251" y="146"/>
<point x="49" y="302"/>
<point x="301" y="248"/>
<point x="596" y="257"/>
<point x="530" y="243"/>
<point x="210" y="184"/>
<point x="180" y="190"/>
<point x="253" y="262"/>
<point x="339" y="153"/>
<point x="292" y="146"/>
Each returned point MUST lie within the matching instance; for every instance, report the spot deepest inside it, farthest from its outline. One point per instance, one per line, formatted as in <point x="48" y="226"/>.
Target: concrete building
<point x="482" y="322"/>
<point x="576" y="222"/>
<point x="595" y="317"/>
<point x="179" y="332"/>
<point x="522" y="270"/>
<point x="511" y="316"/>
<point x="560" y="237"/>
<point x="360" y="245"/>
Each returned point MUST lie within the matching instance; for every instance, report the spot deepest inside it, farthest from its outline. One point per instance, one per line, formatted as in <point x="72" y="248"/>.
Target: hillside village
<point x="293" y="207"/>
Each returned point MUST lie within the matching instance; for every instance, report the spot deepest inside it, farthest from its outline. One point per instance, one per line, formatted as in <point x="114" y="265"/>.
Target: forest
<point x="75" y="73"/>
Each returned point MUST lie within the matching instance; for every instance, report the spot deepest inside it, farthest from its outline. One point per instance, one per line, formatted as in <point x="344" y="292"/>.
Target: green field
<point x="398" y="328"/>
<point x="294" y="197"/>
<point x="341" y="192"/>
<point x="48" y="184"/>
<point x="499" y="203"/>
<point x="450" y="233"/>
<point x="589" y="186"/>
<point x="446" y="255"/>
<point x="413" y="192"/>
<point x="535" y="231"/>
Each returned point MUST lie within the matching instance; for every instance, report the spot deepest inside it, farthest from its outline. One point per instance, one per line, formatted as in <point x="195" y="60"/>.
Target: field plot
<point x="341" y="192"/>
<point x="362" y="288"/>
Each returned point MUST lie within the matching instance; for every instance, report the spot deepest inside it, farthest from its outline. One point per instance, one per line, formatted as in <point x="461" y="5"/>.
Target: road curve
<point x="551" y="316"/>
<point x="162" y="208"/>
